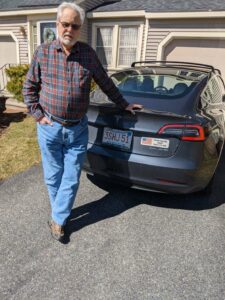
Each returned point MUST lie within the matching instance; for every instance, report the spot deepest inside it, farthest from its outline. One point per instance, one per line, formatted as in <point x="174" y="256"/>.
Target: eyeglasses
<point x="73" y="26"/>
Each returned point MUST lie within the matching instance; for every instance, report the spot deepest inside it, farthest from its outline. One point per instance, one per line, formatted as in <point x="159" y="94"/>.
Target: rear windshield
<point x="159" y="90"/>
<point x="168" y="86"/>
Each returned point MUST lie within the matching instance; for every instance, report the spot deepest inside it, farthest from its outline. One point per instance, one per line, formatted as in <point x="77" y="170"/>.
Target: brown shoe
<point x="57" y="230"/>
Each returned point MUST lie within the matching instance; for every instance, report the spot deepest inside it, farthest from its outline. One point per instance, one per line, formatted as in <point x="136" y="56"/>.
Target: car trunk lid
<point x="143" y="133"/>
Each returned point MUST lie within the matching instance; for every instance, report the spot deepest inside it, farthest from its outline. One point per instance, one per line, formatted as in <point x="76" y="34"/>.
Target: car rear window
<point x="168" y="86"/>
<point x="157" y="89"/>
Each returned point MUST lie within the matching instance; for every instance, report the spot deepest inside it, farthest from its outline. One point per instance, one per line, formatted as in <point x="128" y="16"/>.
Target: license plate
<point x="117" y="138"/>
<point x="154" y="142"/>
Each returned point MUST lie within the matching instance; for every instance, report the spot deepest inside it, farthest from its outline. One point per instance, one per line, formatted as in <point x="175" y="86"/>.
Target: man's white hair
<point x="72" y="6"/>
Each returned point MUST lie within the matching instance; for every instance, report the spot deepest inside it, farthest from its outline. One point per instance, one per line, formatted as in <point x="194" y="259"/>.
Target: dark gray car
<point x="174" y="143"/>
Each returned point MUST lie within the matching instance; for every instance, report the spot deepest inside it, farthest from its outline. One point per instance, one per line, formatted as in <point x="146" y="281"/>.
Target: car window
<point x="157" y="85"/>
<point x="212" y="94"/>
<point x="157" y="89"/>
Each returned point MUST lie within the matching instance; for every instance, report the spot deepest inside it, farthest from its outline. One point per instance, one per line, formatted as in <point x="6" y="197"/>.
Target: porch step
<point x="13" y="102"/>
<point x="5" y="94"/>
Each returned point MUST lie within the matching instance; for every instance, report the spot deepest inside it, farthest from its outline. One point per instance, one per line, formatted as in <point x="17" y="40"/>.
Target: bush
<point x="16" y="76"/>
<point x="93" y="85"/>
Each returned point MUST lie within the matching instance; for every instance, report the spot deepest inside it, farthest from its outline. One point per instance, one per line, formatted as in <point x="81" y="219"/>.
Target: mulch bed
<point x="11" y="115"/>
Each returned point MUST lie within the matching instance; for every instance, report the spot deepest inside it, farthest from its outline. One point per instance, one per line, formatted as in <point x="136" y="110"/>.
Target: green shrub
<point x="16" y="76"/>
<point x="93" y="85"/>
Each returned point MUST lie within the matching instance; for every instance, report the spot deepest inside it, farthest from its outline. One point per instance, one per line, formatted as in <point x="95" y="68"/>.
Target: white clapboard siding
<point x="13" y="24"/>
<point x="153" y="40"/>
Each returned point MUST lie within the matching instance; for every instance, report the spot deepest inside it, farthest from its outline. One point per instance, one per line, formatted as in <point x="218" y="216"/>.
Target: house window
<point x="127" y="49"/>
<point x="47" y="31"/>
<point x="33" y="37"/>
<point x="118" y="45"/>
<point x="104" y="45"/>
<point x="42" y="32"/>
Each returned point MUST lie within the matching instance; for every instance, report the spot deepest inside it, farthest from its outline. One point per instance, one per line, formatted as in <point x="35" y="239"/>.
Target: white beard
<point x="66" y="41"/>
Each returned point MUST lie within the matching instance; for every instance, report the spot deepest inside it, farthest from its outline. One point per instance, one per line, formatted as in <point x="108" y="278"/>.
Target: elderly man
<point x="56" y="91"/>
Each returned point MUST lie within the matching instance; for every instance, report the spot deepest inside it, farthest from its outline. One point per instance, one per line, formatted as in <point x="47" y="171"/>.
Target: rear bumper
<point x="169" y="175"/>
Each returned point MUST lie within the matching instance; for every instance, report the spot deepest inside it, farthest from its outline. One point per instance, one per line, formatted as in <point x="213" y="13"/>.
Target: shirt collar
<point x="75" y="48"/>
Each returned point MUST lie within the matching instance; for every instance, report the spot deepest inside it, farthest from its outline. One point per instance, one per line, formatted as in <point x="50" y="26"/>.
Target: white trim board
<point x="116" y="14"/>
<point x="28" y="12"/>
<point x="155" y="15"/>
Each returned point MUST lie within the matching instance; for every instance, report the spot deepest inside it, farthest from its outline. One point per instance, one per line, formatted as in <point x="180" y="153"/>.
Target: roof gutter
<point x="25" y="12"/>
<point x="153" y="15"/>
<point x="115" y="14"/>
<point x="185" y="15"/>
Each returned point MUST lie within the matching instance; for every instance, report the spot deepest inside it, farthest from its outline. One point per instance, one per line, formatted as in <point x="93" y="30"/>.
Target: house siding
<point x="159" y="29"/>
<point x="13" y="24"/>
<point x="87" y="5"/>
<point x="84" y="32"/>
<point x="153" y="40"/>
<point x="89" y="36"/>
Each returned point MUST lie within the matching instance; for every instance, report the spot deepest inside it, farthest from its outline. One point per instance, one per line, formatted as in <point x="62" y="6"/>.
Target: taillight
<point x="184" y="132"/>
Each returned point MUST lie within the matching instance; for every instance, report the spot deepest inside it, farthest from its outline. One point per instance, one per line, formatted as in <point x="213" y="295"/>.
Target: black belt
<point x="62" y="122"/>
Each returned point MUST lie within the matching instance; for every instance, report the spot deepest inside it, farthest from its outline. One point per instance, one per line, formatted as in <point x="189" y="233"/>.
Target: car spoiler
<point x="174" y="64"/>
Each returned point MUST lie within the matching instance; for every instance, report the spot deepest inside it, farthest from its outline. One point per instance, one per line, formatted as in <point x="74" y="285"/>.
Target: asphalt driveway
<point x="123" y="244"/>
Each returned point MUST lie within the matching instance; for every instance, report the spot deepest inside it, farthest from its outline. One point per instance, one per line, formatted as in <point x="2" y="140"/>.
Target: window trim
<point x="32" y="20"/>
<point x="39" y="29"/>
<point x="115" y="40"/>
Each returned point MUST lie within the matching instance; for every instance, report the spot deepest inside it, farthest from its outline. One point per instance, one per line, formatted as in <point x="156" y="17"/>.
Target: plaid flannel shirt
<point x="60" y="84"/>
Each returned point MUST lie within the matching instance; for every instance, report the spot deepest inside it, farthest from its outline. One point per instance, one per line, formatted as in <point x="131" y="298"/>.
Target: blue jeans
<point x="62" y="150"/>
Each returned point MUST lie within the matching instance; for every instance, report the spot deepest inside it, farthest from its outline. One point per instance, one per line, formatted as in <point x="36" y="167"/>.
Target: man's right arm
<point x="31" y="88"/>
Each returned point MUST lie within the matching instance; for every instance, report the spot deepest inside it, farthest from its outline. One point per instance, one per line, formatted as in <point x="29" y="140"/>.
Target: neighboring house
<point x="121" y="31"/>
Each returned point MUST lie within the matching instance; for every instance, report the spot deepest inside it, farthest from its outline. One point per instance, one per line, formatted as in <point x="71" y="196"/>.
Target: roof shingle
<point x="165" y="5"/>
<point x="125" y="5"/>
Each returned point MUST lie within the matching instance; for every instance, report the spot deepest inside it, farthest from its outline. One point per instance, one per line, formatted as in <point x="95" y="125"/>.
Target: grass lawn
<point x="18" y="148"/>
